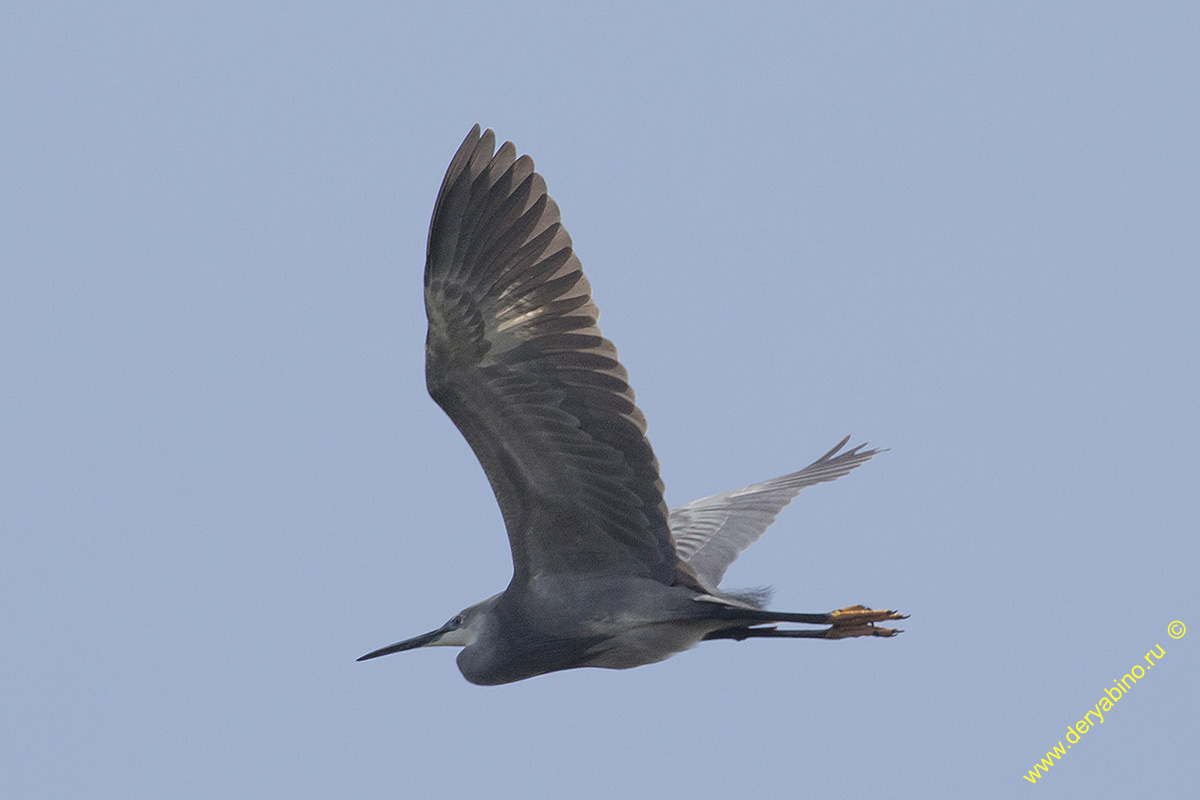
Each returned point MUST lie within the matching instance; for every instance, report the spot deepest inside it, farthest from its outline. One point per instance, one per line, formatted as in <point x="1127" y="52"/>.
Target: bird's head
<point x="461" y="630"/>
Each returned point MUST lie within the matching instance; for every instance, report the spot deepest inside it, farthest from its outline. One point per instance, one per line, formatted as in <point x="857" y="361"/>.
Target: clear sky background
<point x="966" y="234"/>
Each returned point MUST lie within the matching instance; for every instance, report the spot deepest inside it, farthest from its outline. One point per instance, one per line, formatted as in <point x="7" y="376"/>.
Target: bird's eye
<point x="457" y="621"/>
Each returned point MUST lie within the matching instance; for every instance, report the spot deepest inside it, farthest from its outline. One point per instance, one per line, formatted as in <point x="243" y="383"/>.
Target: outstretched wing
<point x="515" y="358"/>
<point x="710" y="533"/>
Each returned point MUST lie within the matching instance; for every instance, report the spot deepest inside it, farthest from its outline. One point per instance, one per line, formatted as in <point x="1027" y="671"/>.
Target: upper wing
<point x="515" y="358"/>
<point x="711" y="532"/>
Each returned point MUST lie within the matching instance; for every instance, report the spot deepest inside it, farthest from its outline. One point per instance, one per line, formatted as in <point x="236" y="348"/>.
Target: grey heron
<point x="603" y="574"/>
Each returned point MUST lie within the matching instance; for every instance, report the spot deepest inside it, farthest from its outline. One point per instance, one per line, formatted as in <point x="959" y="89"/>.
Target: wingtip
<point x="858" y="448"/>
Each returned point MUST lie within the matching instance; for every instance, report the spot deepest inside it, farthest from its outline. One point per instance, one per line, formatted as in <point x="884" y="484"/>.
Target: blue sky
<point x="966" y="234"/>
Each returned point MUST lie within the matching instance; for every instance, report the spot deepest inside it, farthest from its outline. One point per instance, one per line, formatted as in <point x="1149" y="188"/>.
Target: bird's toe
<point x="860" y="615"/>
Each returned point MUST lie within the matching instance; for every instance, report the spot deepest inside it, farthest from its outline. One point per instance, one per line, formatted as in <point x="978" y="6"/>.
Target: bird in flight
<point x="603" y="574"/>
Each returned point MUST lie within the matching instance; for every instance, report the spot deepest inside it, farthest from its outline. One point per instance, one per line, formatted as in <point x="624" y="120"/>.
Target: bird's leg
<point x="842" y="618"/>
<point x="845" y="623"/>
<point x="742" y="633"/>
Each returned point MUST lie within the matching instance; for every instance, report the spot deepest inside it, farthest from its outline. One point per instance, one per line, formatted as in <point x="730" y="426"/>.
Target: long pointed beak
<point x="407" y="644"/>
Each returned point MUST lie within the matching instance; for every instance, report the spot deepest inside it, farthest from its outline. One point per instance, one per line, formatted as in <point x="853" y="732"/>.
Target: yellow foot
<point x="860" y="621"/>
<point x="850" y="631"/>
